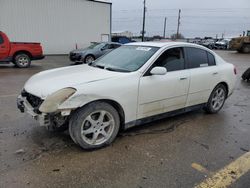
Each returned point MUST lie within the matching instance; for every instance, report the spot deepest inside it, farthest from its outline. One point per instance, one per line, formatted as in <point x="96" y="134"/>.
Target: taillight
<point x="235" y="70"/>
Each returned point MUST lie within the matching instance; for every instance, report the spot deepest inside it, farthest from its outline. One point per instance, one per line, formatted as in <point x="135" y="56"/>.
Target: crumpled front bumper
<point x="24" y="106"/>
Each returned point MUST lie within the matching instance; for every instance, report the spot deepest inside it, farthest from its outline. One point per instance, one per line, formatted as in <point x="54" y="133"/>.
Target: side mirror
<point x="158" y="71"/>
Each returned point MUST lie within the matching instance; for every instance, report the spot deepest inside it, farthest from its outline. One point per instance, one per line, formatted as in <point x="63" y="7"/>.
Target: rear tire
<point x="22" y="60"/>
<point x="216" y="99"/>
<point x="246" y="75"/>
<point x="94" y="126"/>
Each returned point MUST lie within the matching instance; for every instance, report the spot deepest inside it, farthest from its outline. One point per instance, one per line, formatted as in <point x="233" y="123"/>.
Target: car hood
<point x="48" y="82"/>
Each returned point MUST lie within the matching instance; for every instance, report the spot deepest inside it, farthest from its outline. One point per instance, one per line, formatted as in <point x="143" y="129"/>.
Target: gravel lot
<point x="159" y="154"/>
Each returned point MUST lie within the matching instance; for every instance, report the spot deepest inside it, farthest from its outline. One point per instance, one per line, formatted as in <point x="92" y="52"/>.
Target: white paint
<point x="139" y="96"/>
<point x="58" y="24"/>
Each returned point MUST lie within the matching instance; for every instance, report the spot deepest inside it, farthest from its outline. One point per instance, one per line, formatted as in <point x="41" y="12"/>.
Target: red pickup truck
<point x="19" y="53"/>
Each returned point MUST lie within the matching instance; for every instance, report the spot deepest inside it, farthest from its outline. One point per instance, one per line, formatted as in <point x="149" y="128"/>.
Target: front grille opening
<point x="34" y="101"/>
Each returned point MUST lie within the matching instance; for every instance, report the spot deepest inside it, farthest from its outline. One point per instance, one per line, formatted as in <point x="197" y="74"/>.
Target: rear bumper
<point x="25" y="107"/>
<point x="38" y="57"/>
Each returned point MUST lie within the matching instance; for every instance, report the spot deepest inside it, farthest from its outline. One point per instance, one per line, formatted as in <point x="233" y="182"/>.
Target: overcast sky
<point x="199" y="18"/>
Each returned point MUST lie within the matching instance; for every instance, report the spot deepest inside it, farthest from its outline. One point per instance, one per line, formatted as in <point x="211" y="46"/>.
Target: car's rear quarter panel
<point x="34" y="49"/>
<point x="228" y="76"/>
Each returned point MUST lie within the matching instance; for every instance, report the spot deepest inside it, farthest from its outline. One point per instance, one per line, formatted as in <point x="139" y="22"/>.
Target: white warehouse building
<point x="60" y="25"/>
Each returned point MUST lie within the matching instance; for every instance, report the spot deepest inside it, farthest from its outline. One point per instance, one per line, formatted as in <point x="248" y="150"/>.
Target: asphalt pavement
<point x="182" y="151"/>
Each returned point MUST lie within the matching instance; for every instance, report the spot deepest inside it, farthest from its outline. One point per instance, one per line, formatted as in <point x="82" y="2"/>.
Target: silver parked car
<point x="92" y="52"/>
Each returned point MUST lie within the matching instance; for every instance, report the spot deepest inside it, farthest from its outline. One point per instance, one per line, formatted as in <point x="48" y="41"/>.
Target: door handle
<point x="215" y="73"/>
<point x="183" y="78"/>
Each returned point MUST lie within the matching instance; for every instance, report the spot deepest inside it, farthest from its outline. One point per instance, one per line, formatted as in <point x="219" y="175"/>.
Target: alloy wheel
<point x="89" y="59"/>
<point x="23" y="60"/>
<point x="218" y="99"/>
<point x="97" y="127"/>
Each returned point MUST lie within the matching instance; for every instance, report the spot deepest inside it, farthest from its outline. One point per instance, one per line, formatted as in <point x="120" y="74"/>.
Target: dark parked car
<point x="121" y="39"/>
<point x="92" y="52"/>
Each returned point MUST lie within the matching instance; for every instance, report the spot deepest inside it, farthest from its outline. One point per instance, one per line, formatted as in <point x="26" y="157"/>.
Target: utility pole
<point x="165" y="25"/>
<point x="144" y="15"/>
<point x="178" y="25"/>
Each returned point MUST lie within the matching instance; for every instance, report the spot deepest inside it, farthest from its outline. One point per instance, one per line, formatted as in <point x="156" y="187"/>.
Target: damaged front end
<point x="30" y="104"/>
<point x="46" y="111"/>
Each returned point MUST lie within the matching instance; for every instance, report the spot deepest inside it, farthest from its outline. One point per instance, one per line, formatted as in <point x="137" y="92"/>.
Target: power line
<point x="188" y="9"/>
<point x="193" y="17"/>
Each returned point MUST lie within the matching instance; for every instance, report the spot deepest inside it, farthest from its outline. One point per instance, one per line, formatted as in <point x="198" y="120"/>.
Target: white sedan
<point x="132" y="85"/>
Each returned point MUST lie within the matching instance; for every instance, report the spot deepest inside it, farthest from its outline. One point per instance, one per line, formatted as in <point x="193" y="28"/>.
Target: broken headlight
<point x="53" y="101"/>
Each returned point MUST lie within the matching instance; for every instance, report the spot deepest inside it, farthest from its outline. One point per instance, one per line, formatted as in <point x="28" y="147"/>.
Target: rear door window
<point x="211" y="59"/>
<point x="196" y="57"/>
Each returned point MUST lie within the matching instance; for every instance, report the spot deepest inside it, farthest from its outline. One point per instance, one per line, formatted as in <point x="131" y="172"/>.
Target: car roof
<point x="111" y="43"/>
<point x="107" y="43"/>
<point x="115" y="43"/>
<point x="160" y="44"/>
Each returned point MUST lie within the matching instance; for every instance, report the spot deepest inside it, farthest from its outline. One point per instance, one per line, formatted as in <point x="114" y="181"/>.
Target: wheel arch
<point x="21" y="52"/>
<point x="118" y="107"/>
<point x="90" y="54"/>
<point x="224" y="84"/>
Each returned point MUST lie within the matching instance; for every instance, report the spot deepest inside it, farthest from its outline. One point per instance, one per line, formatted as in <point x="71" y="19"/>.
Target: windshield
<point x="126" y="58"/>
<point x="96" y="45"/>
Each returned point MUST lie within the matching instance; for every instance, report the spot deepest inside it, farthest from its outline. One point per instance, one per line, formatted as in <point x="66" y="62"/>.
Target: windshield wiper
<point x="108" y="68"/>
<point x="117" y="69"/>
<point x="100" y="66"/>
<point x="95" y="65"/>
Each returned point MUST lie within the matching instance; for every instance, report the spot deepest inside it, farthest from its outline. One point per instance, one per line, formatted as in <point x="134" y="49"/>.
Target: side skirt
<point x="162" y="116"/>
<point x="6" y="60"/>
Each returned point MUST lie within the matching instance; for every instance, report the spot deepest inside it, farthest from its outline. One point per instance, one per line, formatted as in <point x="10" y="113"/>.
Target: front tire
<point x="216" y="99"/>
<point x="94" y="126"/>
<point x="246" y="48"/>
<point x="89" y="59"/>
<point x="22" y="60"/>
